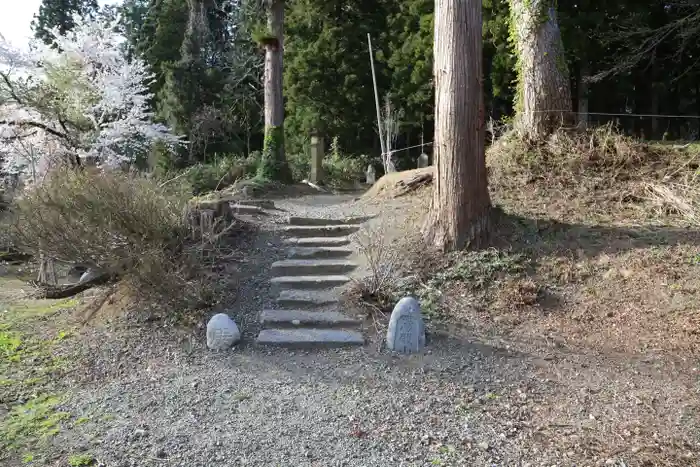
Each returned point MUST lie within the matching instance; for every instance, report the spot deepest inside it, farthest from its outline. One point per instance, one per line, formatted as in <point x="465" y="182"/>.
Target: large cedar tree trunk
<point x="461" y="204"/>
<point x="274" y="164"/>
<point x="543" y="99"/>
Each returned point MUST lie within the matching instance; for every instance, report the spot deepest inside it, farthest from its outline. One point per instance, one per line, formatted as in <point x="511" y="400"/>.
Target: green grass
<point x="80" y="460"/>
<point x="9" y="343"/>
<point x="81" y="421"/>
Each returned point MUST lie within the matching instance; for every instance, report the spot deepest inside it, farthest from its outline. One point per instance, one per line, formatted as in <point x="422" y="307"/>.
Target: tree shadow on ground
<point x="537" y="237"/>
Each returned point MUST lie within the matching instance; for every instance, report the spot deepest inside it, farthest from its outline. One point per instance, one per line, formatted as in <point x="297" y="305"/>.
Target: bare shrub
<point x="384" y="262"/>
<point x="602" y="170"/>
<point x="123" y="224"/>
<point x="565" y="156"/>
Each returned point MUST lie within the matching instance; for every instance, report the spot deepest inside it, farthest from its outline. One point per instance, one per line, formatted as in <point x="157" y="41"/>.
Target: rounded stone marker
<point x="406" y="333"/>
<point x="222" y="332"/>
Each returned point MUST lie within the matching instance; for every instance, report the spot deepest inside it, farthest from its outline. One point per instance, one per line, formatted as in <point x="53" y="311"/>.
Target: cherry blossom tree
<point x="81" y="101"/>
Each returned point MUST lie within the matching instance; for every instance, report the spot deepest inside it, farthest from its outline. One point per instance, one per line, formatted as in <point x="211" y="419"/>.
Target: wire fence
<point x="640" y="125"/>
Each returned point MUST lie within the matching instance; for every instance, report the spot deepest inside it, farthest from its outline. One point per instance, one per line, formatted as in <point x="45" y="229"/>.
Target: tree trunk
<point x="461" y="204"/>
<point x="543" y="101"/>
<point x="583" y="96"/>
<point x="274" y="164"/>
<point x="696" y="123"/>
<point x="655" y="98"/>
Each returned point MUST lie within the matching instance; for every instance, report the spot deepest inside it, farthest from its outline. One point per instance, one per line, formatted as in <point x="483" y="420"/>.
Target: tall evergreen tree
<point x="327" y="77"/>
<point x="207" y="72"/>
<point x="274" y="163"/>
<point x="544" y="92"/>
<point x="461" y="205"/>
<point x="59" y="14"/>
<point x="160" y="39"/>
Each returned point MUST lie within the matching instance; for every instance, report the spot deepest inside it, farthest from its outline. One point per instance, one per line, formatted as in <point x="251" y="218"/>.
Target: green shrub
<point x="343" y="168"/>
<point x="339" y="168"/>
<point x="163" y="161"/>
<point x="211" y="177"/>
<point x="299" y="165"/>
<point x="221" y="173"/>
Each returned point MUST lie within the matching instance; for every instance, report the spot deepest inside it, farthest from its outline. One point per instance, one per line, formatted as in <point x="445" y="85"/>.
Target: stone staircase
<point x="306" y="285"/>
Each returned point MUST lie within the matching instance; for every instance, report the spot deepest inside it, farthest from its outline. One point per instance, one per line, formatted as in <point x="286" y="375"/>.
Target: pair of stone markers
<point x="406" y="333"/>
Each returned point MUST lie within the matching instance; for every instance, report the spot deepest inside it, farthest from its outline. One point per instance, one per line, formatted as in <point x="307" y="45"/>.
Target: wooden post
<point x="317" y="154"/>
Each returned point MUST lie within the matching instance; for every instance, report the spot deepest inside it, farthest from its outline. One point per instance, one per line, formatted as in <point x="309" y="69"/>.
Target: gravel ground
<point x="327" y="206"/>
<point x="349" y="408"/>
<point x="162" y="403"/>
<point x="155" y="396"/>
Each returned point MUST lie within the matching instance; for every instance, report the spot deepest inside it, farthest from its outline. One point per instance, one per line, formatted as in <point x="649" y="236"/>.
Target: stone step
<point x="261" y="203"/>
<point x="305" y="267"/>
<point x="317" y="241"/>
<point x="295" y="220"/>
<point x="302" y="252"/>
<point x="306" y="231"/>
<point x="307" y="299"/>
<point x="303" y="318"/>
<point x="310" y="338"/>
<point x="245" y="209"/>
<point x="308" y="282"/>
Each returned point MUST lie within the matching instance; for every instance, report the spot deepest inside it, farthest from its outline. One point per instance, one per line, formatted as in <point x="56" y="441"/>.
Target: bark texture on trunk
<point x="461" y="204"/>
<point x="656" y="87"/>
<point x="583" y="97"/>
<point x="544" y="92"/>
<point x="274" y="107"/>
<point x="274" y="164"/>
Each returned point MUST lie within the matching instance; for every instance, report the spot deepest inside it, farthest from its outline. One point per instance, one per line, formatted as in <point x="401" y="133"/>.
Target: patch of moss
<point x="9" y="343"/>
<point x="264" y="37"/>
<point x="31" y="422"/>
<point x="21" y="313"/>
<point x="27" y="365"/>
<point x="81" y="421"/>
<point x="81" y="460"/>
<point x="273" y="165"/>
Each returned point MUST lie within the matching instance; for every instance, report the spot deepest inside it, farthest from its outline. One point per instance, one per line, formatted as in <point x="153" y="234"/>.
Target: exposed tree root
<point x="70" y="290"/>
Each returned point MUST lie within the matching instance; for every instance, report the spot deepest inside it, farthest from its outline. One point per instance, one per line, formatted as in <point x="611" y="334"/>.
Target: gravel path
<point x="327" y="206"/>
<point x="349" y="408"/>
<point x="158" y="397"/>
<point x="459" y="405"/>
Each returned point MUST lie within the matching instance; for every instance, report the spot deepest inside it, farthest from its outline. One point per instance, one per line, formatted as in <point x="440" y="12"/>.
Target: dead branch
<point x="70" y="290"/>
<point x="38" y="125"/>
<point x="14" y="257"/>
<point x="412" y="184"/>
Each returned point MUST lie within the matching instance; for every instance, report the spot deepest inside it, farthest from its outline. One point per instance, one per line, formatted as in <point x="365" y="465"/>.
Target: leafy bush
<point x="221" y="173"/>
<point x="299" y="165"/>
<point x="341" y="168"/>
<point x="338" y="167"/>
<point x="124" y="224"/>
